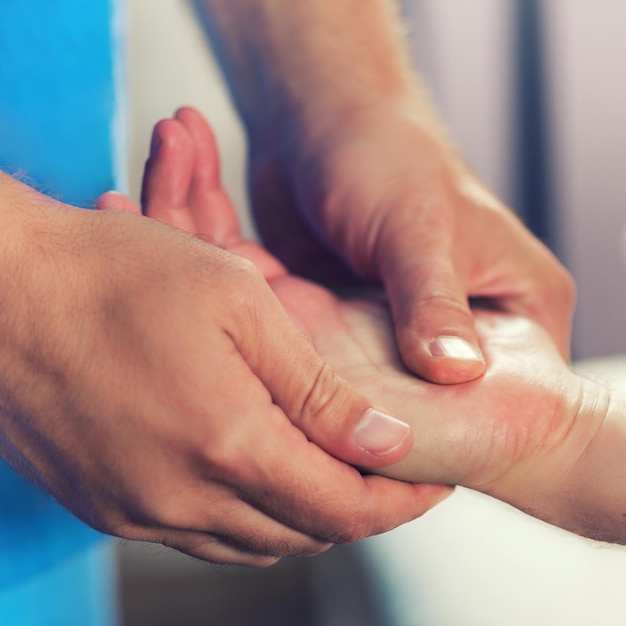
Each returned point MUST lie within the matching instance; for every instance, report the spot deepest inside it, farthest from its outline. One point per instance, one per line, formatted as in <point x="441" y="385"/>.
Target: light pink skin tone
<point x="353" y="175"/>
<point x="154" y="385"/>
<point x="525" y="432"/>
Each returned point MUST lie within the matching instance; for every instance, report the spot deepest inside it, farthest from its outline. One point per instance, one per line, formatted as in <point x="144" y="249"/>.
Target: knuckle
<point x="262" y="545"/>
<point x="324" y="394"/>
<point x="244" y="273"/>
<point x="442" y="299"/>
<point x="121" y="519"/>
<point x="275" y="547"/>
<point x="172" y="505"/>
<point x="226" y="460"/>
<point x="351" y="532"/>
<point x="349" y="527"/>
<point x="246" y="292"/>
<point x="229" y="273"/>
<point x="436" y="313"/>
<point x="165" y="512"/>
<point x="135" y="532"/>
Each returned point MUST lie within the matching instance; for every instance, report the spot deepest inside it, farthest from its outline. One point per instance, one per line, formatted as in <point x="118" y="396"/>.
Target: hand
<point x="377" y="192"/>
<point x="154" y="385"/>
<point x="517" y="433"/>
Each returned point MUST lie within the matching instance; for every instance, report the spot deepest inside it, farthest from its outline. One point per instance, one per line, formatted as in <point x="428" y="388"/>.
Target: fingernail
<point x="456" y="348"/>
<point x="380" y="433"/>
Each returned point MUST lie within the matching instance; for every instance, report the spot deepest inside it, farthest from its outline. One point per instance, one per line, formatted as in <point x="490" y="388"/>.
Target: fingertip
<point x="207" y="170"/>
<point x="116" y="201"/>
<point x="383" y="438"/>
<point x="396" y="502"/>
<point x="453" y="359"/>
<point x="446" y="370"/>
<point x="196" y="124"/>
<point x="168" y="135"/>
<point x="188" y="113"/>
<point x="444" y="358"/>
<point x="439" y="493"/>
<point x="435" y="328"/>
<point x="430" y="495"/>
<point x="168" y="173"/>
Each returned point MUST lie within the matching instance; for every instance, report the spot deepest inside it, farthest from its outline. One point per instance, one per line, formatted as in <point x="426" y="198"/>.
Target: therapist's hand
<point x="351" y="173"/>
<point x="153" y="384"/>
<point x="378" y="193"/>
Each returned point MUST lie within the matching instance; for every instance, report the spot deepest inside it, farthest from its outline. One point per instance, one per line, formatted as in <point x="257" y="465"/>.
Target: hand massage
<point x="395" y="332"/>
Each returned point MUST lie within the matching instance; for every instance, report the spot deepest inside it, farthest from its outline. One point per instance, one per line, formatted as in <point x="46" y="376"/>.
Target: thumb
<point x="329" y="411"/>
<point x="434" y="323"/>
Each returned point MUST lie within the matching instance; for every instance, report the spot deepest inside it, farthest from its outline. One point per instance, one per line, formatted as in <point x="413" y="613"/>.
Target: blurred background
<point x="534" y="93"/>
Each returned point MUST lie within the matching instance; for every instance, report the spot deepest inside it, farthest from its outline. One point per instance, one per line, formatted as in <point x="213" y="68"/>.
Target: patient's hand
<point x="516" y="433"/>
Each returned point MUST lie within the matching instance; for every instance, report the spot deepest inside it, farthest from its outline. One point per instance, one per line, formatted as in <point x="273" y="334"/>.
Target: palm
<point x="488" y="434"/>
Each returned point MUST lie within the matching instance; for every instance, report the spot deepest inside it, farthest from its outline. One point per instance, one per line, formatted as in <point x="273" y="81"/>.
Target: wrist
<point x="20" y="205"/>
<point x="596" y="484"/>
<point x="341" y="135"/>
<point x="298" y="63"/>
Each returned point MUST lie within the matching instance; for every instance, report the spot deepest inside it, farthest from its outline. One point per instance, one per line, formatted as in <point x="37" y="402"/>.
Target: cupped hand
<point x="379" y="194"/>
<point x="514" y="433"/>
<point x="154" y="385"/>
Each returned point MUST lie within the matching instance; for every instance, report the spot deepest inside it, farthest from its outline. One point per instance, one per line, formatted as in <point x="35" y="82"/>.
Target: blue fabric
<point x="57" y="105"/>
<point x="35" y="532"/>
<point x="57" y="95"/>
<point x="76" y="592"/>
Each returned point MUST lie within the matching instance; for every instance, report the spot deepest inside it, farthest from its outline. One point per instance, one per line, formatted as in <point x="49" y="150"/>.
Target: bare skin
<point x="529" y="432"/>
<point x="353" y="178"/>
<point x="155" y="386"/>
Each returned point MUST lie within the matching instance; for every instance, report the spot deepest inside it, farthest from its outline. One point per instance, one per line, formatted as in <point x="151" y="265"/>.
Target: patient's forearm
<point x="311" y="60"/>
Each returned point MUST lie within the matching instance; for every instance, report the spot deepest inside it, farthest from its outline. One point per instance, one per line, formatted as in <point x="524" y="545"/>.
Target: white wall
<point x="463" y="51"/>
<point x="588" y="89"/>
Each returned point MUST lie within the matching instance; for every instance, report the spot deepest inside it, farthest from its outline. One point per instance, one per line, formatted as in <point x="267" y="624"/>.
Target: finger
<point x="200" y="545"/>
<point x="254" y="448"/>
<point x="210" y="548"/>
<point x="434" y="324"/>
<point x="167" y="176"/>
<point x="208" y="202"/>
<point x="210" y="517"/>
<point x="206" y="210"/>
<point x="297" y="483"/>
<point x="214" y="550"/>
<point x="116" y="201"/>
<point x="335" y="503"/>
<point x="282" y="357"/>
<point x="324" y="406"/>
